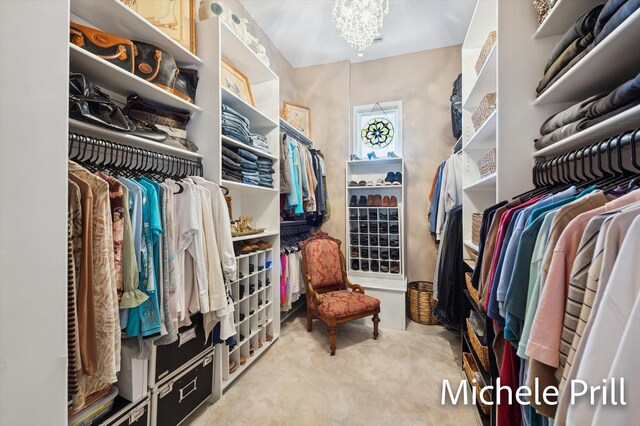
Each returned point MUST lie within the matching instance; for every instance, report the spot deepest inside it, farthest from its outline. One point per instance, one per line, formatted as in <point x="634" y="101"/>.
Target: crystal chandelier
<point x="359" y="21"/>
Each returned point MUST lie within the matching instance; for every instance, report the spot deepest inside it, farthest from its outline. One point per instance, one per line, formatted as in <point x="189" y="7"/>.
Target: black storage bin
<point x="125" y="413"/>
<point x="180" y="396"/>
<point x="166" y="360"/>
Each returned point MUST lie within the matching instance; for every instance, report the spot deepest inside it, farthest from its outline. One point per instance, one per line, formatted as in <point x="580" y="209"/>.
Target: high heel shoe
<point x="372" y="156"/>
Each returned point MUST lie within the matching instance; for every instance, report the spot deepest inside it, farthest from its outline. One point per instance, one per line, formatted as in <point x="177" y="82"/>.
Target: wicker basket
<point x="421" y="303"/>
<point x="543" y="7"/>
<point x="481" y="350"/>
<point x="487" y="163"/>
<point x="484" y="110"/>
<point x="476" y="222"/>
<point x="486" y="49"/>
<point x="473" y="292"/>
<point x="470" y="370"/>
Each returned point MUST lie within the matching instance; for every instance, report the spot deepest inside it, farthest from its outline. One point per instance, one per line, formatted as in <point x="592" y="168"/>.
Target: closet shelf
<point x="114" y="17"/>
<point x="627" y="120"/>
<point x="379" y="161"/>
<point x="237" y="186"/>
<point x="238" y="54"/>
<point x="562" y="15"/>
<point x="485" y="81"/>
<point x="127" y="139"/>
<point x="375" y="188"/>
<point x="485" y="375"/>
<point x="488" y="182"/>
<point x="485" y="137"/>
<point x="609" y="64"/>
<point x="252" y="236"/>
<point x="472" y="246"/>
<point x="259" y="122"/>
<point x="231" y="142"/>
<point x="111" y="77"/>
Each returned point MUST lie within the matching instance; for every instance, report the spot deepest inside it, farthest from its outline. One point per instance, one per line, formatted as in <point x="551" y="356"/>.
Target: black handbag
<point x="456" y="107"/>
<point x="88" y="103"/>
<point x="186" y="84"/>
<point x="155" y="65"/>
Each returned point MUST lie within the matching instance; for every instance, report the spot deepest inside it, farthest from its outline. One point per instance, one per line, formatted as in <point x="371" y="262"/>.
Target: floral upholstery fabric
<point x="338" y="304"/>
<point x="323" y="263"/>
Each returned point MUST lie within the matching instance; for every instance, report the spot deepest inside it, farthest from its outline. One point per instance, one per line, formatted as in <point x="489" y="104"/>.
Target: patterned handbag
<point x="116" y="50"/>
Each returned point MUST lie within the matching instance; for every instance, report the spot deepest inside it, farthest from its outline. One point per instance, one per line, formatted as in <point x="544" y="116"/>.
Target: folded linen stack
<point x="589" y="112"/>
<point x="587" y="32"/>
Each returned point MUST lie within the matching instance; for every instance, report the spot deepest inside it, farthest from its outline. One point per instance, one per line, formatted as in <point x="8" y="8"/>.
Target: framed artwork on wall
<point x="236" y="82"/>
<point x="377" y="128"/>
<point x="175" y="18"/>
<point x="298" y="116"/>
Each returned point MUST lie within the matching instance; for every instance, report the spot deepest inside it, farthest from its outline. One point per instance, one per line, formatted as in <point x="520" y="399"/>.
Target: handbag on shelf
<point x="141" y="110"/>
<point x="90" y="104"/>
<point x="155" y="65"/>
<point x="186" y="84"/>
<point x="113" y="49"/>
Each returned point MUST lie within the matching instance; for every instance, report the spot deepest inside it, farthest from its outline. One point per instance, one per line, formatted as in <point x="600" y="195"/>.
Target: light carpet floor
<point x="395" y="380"/>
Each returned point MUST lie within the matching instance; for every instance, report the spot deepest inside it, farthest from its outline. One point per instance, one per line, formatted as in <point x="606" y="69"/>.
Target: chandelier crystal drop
<point x="359" y="21"/>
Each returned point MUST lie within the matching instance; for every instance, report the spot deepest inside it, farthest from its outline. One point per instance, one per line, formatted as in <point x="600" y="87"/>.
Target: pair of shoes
<point x="393" y="229"/>
<point x="232" y="366"/>
<point x="362" y="183"/>
<point x="243" y="360"/>
<point x="354" y="239"/>
<point x="383" y="228"/>
<point x="384" y="255"/>
<point x="393" y="178"/>
<point x="374" y="253"/>
<point x="364" y="267"/>
<point x="363" y="228"/>
<point x="363" y="215"/>
<point x="354" y="201"/>
<point x="372" y="156"/>
<point x="374" y="240"/>
<point x="395" y="268"/>
<point x="379" y="182"/>
<point x="392" y="154"/>
<point x="355" y="252"/>
<point x="264" y="245"/>
<point x="354" y="157"/>
<point x="373" y="228"/>
<point x="374" y="266"/>
<point x="384" y="241"/>
<point x="393" y="214"/>
<point x="395" y="254"/>
<point x="395" y="243"/>
<point x="364" y="253"/>
<point x="355" y="265"/>
<point x="353" y="183"/>
<point x="384" y="267"/>
<point x="362" y="202"/>
<point x="353" y="215"/>
<point x="364" y="240"/>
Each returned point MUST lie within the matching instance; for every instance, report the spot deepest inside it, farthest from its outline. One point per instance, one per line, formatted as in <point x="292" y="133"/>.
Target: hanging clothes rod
<point x="292" y="132"/>
<point x="101" y="153"/>
<point x="566" y="165"/>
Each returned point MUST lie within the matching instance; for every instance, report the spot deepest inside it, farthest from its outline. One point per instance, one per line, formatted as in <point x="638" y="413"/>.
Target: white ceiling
<point x="305" y="34"/>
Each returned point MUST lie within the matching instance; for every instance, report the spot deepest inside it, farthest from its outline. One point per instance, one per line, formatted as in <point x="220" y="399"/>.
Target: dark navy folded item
<point x="624" y="94"/>
<point x="621" y="14"/>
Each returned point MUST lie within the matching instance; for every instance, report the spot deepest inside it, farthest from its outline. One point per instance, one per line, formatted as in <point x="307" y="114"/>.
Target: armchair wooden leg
<point x="332" y="339"/>
<point x="309" y="321"/>
<point x="375" y="320"/>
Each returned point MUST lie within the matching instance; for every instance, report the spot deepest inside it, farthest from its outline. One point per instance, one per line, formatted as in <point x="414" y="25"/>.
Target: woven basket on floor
<point x="487" y="163"/>
<point x="470" y="370"/>
<point x="473" y="292"/>
<point x="481" y="350"/>
<point x="420" y="302"/>
<point x="476" y="222"/>
<point x="485" y="109"/>
<point x="486" y="49"/>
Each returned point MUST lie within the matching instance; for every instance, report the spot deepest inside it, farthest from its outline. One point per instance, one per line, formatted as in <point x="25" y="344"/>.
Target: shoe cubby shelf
<point x="375" y="232"/>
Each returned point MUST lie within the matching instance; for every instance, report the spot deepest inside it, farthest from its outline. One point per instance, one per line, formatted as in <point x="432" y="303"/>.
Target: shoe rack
<point x="375" y="234"/>
<point x="252" y="291"/>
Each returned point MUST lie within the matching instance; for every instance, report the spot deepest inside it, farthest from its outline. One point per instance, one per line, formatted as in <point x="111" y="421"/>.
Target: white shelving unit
<point x="253" y="292"/>
<point x="215" y="43"/>
<point x="515" y="123"/>
<point x="371" y="226"/>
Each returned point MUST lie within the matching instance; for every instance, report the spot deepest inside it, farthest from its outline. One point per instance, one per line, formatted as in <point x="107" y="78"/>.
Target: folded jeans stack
<point x="589" y="112"/>
<point x="259" y="142"/>
<point x="235" y="125"/>
<point x="246" y="167"/>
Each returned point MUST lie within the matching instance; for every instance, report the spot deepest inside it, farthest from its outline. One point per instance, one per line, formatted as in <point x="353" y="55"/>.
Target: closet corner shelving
<point x="217" y="42"/>
<point x="390" y="287"/>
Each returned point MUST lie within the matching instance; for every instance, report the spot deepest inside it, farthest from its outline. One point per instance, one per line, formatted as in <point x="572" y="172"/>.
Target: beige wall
<point x="422" y="81"/>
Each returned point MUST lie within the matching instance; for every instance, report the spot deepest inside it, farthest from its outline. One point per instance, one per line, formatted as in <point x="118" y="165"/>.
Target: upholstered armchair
<point x="330" y="295"/>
